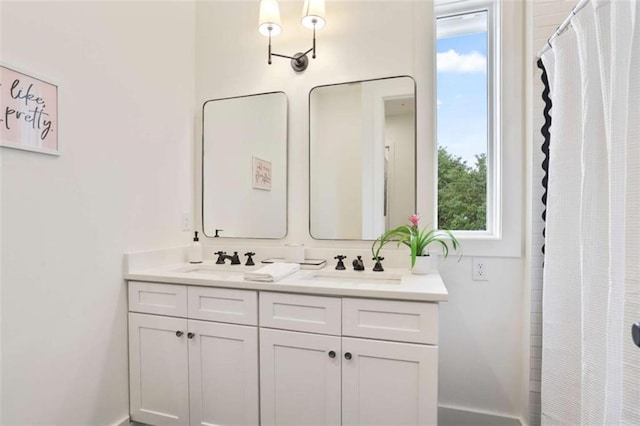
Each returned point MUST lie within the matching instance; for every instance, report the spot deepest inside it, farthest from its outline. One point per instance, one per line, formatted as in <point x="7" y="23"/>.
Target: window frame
<point x="506" y="122"/>
<point x="493" y="192"/>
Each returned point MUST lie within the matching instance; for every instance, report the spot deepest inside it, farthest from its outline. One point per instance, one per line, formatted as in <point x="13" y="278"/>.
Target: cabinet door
<point x="299" y="378"/>
<point x="158" y="369"/>
<point x="388" y="383"/>
<point x="223" y="374"/>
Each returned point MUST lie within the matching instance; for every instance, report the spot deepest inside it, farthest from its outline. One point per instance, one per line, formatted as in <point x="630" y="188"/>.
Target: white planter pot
<point x="425" y="265"/>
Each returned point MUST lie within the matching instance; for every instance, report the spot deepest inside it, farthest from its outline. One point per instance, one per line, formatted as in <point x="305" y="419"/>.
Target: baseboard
<point x="124" y="422"/>
<point x="449" y="416"/>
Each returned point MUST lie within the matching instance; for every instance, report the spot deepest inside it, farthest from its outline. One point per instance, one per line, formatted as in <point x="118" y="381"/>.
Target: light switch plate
<point x="186" y="221"/>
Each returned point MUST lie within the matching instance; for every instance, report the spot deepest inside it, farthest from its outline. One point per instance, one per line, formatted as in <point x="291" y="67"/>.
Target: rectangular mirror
<point x="244" y="166"/>
<point x="362" y="158"/>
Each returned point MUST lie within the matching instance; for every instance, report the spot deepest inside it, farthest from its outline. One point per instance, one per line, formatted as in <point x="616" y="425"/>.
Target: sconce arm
<point x="292" y="57"/>
<point x="300" y="60"/>
<point x="282" y="56"/>
<point x="312" y="49"/>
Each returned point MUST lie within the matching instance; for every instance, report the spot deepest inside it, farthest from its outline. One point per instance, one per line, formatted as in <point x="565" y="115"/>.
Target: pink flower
<point x="414" y="218"/>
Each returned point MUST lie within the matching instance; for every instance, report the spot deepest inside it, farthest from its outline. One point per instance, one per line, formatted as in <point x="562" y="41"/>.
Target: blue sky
<point x="462" y="95"/>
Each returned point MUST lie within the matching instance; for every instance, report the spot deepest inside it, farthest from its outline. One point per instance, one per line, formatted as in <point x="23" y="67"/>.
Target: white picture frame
<point x="28" y="112"/>
<point x="261" y="174"/>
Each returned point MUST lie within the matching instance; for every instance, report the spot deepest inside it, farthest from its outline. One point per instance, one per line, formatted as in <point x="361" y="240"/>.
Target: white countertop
<point x="396" y="284"/>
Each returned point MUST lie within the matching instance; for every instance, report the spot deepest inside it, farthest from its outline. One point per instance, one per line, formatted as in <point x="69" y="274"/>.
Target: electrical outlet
<point x="479" y="269"/>
<point x="186" y="221"/>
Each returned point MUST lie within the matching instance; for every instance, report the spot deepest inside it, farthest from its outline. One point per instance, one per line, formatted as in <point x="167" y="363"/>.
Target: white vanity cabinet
<point x="210" y="355"/>
<point x="388" y="383"/>
<point x="185" y="371"/>
<point x="223" y="374"/>
<point x="158" y="369"/>
<point x="308" y="378"/>
<point x="300" y="384"/>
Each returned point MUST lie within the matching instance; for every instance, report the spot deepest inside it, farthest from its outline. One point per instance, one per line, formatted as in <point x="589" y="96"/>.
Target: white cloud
<point x="452" y="61"/>
<point x="438" y="103"/>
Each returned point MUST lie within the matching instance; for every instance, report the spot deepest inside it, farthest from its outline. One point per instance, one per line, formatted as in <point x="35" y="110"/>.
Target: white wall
<point x="336" y="190"/>
<point x="125" y="72"/>
<point x="481" y="328"/>
<point x="400" y="136"/>
<point x="480" y="353"/>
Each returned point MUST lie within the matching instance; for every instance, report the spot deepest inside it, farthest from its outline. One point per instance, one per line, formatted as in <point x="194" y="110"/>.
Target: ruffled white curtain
<point x="590" y="366"/>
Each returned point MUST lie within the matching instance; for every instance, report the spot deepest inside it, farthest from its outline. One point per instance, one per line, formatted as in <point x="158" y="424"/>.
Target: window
<point x="466" y="117"/>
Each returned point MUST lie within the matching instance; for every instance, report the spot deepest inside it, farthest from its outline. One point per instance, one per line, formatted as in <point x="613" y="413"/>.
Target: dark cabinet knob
<point x="635" y="333"/>
<point x="190" y="335"/>
<point x="347" y="355"/>
<point x="332" y="354"/>
<point x="179" y="333"/>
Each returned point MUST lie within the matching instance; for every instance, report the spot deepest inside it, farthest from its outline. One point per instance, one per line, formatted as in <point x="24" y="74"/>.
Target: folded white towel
<point x="274" y="272"/>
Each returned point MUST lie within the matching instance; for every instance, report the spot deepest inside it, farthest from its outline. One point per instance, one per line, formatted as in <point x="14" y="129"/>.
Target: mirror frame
<point x="286" y="183"/>
<point x="415" y="145"/>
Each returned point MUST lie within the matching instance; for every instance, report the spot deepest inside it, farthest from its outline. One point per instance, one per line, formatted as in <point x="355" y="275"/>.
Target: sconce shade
<point x="269" y="18"/>
<point x="313" y="14"/>
<point x="312" y="18"/>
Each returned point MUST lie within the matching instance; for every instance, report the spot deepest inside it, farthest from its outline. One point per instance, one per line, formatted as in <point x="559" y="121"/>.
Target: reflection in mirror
<point x="362" y="158"/>
<point x="244" y="166"/>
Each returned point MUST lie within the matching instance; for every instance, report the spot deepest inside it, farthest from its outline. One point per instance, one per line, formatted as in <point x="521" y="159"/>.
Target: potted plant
<point x="417" y="240"/>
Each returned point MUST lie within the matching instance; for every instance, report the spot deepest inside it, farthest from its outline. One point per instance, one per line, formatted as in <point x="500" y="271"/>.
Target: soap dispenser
<point x="195" y="250"/>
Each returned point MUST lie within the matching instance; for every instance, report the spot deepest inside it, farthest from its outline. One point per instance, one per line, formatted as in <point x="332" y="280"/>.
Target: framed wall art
<point x="261" y="174"/>
<point x="28" y="112"/>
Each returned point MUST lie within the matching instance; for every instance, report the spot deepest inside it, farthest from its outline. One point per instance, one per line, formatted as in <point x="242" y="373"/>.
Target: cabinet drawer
<point x="390" y="320"/>
<point x="154" y="298"/>
<point x="223" y="305"/>
<point x="313" y="314"/>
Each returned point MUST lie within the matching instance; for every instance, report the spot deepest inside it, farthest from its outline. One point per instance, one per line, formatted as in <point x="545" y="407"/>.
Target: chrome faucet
<point x="222" y="256"/>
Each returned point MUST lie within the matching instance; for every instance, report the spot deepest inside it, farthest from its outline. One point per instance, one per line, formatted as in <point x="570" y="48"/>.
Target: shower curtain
<point x="591" y="293"/>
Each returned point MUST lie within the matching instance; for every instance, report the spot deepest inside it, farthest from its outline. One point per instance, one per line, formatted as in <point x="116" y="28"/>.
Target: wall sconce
<point x="312" y="18"/>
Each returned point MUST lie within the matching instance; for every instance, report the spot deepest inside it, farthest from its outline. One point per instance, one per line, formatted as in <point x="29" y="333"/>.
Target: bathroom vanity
<point x="318" y="347"/>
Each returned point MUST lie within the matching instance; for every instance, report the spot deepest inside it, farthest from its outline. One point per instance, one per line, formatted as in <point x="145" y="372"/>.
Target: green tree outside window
<point x="462" y="192"/>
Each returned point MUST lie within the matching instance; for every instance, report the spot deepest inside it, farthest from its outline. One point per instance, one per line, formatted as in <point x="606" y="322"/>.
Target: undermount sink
<point x="356" y="277"/>
<point x="213" y="271"/>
